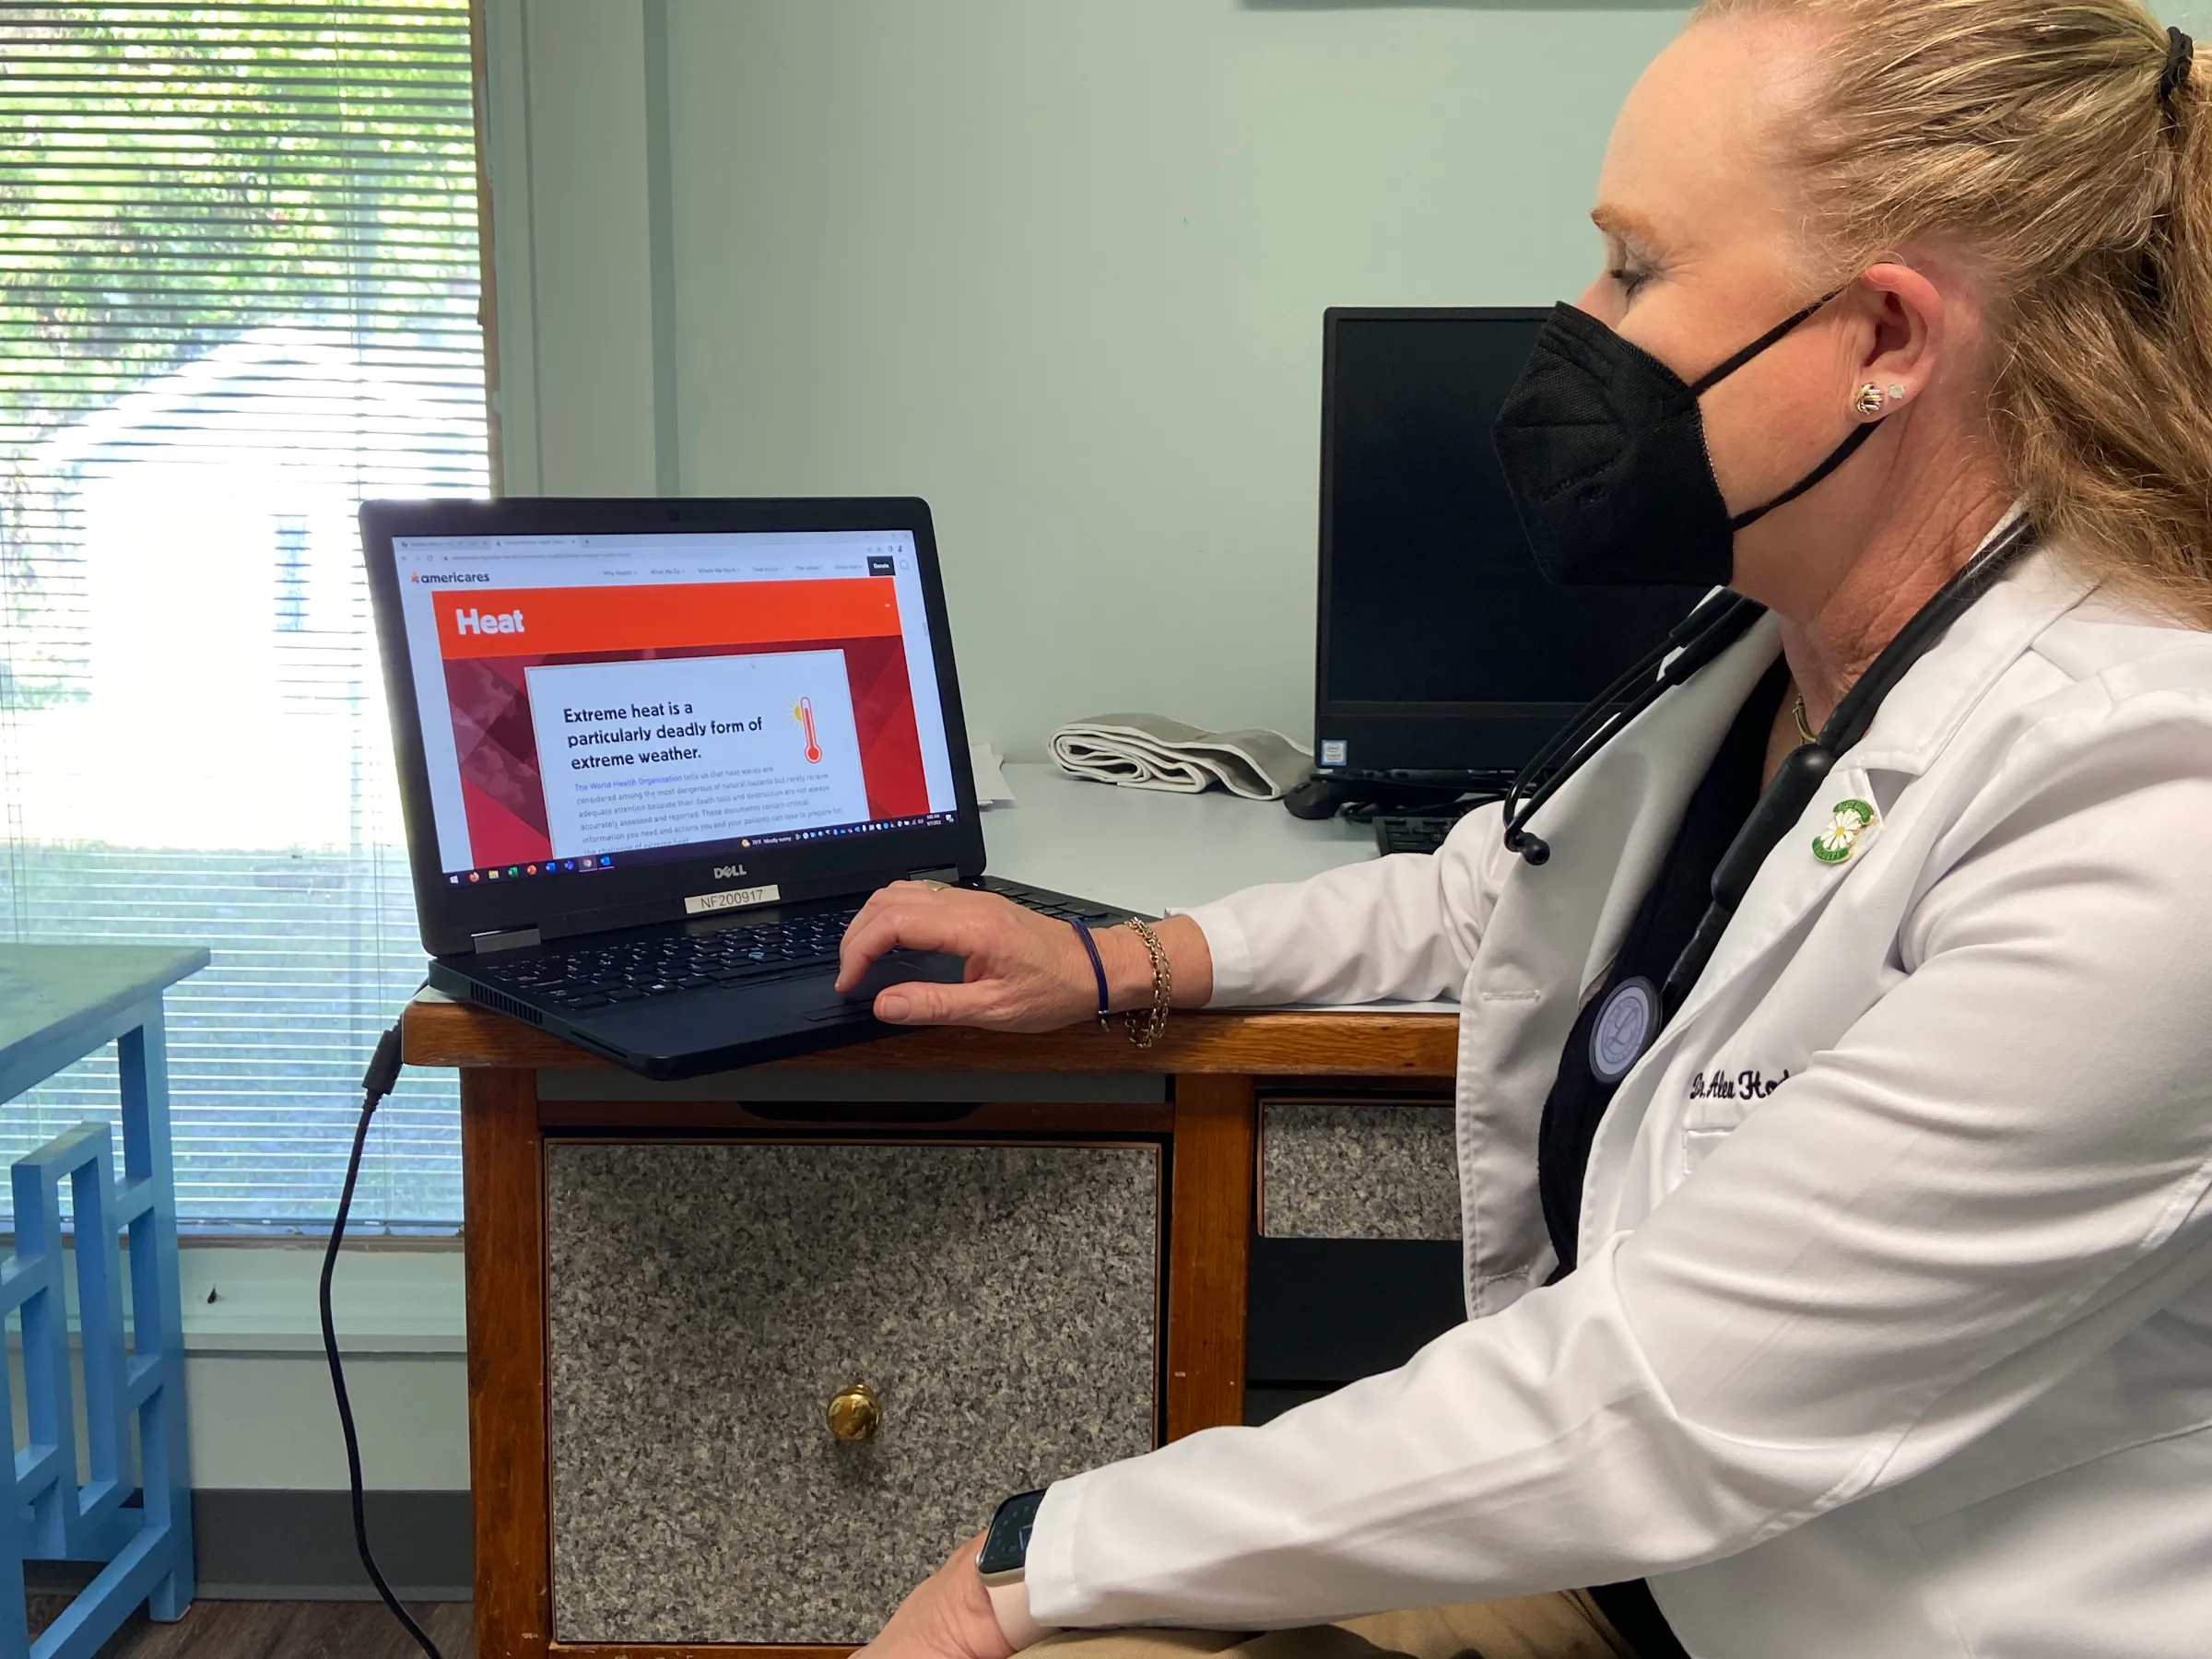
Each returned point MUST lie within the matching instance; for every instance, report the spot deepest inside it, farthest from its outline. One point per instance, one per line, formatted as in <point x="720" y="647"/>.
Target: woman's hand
<point x="947" y="1615"/>
<point x="1026" y="972"/>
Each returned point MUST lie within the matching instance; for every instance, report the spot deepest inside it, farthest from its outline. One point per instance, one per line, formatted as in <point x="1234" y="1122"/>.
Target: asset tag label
<point x="700" y="904"/>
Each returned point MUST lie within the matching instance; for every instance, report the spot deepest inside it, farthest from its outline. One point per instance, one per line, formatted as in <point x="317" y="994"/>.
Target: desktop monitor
<point x="1443" y="651"/>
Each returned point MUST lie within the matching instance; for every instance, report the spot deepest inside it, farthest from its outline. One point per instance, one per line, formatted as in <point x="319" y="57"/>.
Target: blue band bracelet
<point x="1090" y="948"/>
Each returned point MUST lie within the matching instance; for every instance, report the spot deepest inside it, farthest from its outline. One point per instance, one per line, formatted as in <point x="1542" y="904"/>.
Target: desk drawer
<point x="1380" y="1167"/>
<point x="705" y="1301"/>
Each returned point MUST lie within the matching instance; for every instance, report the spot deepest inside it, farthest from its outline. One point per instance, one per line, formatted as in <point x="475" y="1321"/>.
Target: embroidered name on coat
<point x="1750" y="1084"/>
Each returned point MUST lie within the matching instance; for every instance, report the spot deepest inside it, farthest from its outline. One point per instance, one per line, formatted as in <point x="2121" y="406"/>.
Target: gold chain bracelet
<point x="1144" y="1028"/>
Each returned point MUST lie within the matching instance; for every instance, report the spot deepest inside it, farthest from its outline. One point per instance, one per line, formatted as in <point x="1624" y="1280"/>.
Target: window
<point x="291" y="573"/>
<point x="238" y="295"/>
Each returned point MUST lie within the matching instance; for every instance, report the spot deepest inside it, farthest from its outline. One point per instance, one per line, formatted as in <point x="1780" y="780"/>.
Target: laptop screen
<point x="592" y="701"/>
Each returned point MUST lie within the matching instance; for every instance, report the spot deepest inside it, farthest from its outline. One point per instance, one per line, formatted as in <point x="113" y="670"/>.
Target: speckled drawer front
<point x="704" y="1303"/>
<point x="1358" y="1170"/>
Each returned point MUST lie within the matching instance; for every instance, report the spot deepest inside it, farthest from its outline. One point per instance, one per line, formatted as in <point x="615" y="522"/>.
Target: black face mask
<point x="1604" y="450"/>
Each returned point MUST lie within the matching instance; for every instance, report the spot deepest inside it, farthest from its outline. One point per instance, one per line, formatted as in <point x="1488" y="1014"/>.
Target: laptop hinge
<point x="949" y="873"/>
<point x="508" y="938"/>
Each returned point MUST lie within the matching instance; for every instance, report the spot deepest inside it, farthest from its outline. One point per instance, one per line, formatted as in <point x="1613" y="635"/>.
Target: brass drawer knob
<point x="855" y="1413"/>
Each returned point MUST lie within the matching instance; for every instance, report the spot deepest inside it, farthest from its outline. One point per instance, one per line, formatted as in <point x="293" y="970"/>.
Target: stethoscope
<point x="1717" y="623"/>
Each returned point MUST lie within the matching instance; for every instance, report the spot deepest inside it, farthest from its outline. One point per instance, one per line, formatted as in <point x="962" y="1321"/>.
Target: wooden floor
<point x="215" y="1629"/>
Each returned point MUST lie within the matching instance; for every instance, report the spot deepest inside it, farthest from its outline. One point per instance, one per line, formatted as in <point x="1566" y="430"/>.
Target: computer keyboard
<point x="590" y="976"/>
<point x="1057" y="905"/>
<point x="1412" y="834"/>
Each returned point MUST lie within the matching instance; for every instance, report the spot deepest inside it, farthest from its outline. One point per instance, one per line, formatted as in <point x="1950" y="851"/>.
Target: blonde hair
<point x="2032" y="136"/>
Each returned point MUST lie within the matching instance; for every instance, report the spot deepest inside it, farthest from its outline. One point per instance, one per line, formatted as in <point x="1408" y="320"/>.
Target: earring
<point x="1869" y="400"/>
<point x="1897" y="392"/>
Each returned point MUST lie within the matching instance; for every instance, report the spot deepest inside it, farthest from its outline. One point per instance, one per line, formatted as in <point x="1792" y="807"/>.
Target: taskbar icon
<point x="523" y="872"/>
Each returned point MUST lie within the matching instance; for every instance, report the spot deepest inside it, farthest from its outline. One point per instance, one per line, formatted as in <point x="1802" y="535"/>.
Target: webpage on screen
<point x="588" y="718"/>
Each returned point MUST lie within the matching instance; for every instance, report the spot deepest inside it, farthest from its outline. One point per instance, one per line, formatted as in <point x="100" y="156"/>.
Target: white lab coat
<point x="1892" y="1335"/>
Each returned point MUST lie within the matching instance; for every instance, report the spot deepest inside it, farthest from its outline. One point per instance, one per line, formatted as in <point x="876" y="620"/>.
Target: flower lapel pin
<point x="1848" y="823"/>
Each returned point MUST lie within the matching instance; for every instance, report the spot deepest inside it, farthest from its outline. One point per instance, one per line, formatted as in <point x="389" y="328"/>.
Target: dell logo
<point x="728" y="872"/>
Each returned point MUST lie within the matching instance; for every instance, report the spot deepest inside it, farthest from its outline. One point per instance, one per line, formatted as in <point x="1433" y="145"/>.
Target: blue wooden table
<point x="58" y="1004"/>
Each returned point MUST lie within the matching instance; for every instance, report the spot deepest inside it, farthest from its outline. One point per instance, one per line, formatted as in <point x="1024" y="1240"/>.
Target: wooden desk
<point x="1212" y="1064"/>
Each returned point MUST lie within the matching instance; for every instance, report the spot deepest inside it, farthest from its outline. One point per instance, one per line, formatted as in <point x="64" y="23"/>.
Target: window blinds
<point x="238" y="296"/>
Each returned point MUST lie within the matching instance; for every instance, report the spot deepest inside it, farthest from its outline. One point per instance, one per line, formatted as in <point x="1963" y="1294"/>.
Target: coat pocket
<point x="1697" y="1145"/>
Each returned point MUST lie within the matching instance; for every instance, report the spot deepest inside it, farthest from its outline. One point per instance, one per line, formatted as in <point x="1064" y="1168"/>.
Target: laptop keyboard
<point x="595" y="976"/>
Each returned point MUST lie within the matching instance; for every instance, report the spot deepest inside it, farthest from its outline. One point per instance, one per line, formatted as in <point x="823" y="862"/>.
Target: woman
<point x="1856" y="1294"/>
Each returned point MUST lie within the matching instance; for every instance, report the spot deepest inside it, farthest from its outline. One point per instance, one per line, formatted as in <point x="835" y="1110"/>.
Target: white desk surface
<point x="1151" y="851"/>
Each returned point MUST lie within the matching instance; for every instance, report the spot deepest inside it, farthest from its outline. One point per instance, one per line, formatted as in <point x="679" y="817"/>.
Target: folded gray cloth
<point x="1150" y="751"/>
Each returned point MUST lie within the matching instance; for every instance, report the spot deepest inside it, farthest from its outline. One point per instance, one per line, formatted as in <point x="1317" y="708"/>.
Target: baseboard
<point x="298" y="1546"/>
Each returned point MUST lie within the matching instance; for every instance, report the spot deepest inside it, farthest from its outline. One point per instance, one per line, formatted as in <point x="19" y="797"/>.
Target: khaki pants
<point x="1565" y="1625"/>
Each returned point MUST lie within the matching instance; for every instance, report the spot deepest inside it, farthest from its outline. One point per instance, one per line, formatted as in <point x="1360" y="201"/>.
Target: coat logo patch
<point x="1848" y="822"/>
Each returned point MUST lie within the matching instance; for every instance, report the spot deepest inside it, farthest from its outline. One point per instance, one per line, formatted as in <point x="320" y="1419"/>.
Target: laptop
<point x="654" y="755"/>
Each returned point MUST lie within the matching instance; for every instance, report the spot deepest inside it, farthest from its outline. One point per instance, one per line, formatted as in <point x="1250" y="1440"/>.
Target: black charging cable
<point x="376" y="1083"/>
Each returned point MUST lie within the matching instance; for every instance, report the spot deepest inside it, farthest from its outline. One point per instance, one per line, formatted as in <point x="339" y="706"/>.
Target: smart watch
<point x="1005" y="1551"/>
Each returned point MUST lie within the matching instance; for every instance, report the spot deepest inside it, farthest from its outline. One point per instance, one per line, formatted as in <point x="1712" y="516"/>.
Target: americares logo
<point x="453" y="578"/>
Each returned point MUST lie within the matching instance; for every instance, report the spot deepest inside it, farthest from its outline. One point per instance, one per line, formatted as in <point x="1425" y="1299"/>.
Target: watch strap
<point x="1010" y="1606"/>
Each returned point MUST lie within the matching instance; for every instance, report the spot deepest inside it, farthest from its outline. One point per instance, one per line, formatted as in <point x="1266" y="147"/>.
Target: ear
<point x="1906" y="332"/>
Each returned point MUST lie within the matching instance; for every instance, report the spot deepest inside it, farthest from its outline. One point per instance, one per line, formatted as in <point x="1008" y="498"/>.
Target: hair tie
<point x="2180" y="57"/>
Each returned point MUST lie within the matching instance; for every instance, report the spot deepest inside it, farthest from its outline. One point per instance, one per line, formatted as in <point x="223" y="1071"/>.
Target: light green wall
<point x="1057" y="265"/>
<point x="565" y="143"/>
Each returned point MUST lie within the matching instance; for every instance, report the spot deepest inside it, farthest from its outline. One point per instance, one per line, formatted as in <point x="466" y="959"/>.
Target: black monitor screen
<point x="1441" y="644"/>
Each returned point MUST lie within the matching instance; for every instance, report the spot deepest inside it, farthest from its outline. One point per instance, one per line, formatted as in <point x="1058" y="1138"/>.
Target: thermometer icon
<point x="804" y="714"/>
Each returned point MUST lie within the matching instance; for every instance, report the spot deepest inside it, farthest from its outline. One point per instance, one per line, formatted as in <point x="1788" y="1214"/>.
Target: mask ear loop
<point x="1713" y="377"/>
<point x="1841" y="454"/>
<point x="1836" y="456"/>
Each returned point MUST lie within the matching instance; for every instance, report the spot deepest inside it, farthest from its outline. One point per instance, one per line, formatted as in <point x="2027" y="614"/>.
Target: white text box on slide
<point x="677" y="751"/>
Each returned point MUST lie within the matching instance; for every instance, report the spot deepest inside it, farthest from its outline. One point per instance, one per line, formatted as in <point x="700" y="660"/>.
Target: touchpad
<point x="897" y="969"/>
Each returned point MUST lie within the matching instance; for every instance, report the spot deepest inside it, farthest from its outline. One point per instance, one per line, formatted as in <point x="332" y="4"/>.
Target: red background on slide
<point x="498" y="744"/>
<point x="667" y="617"/>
